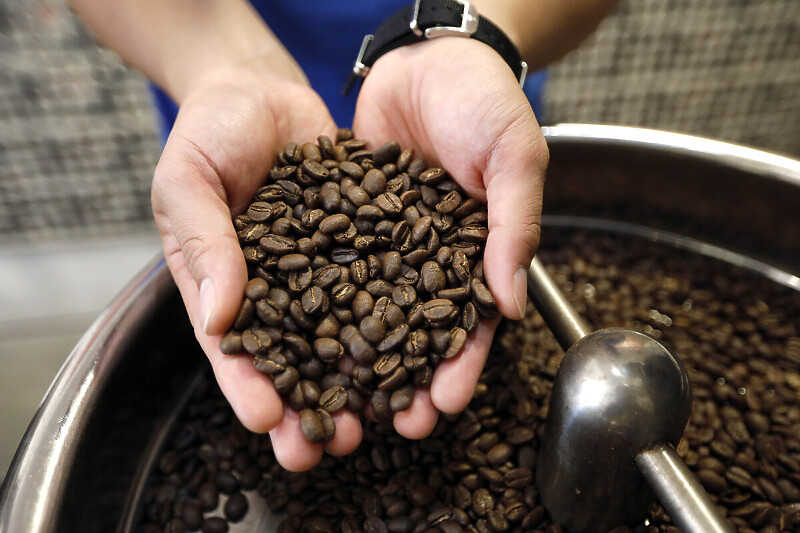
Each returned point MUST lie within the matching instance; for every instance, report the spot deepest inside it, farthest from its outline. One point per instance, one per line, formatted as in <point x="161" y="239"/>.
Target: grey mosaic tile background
<point x="78" y="141"/>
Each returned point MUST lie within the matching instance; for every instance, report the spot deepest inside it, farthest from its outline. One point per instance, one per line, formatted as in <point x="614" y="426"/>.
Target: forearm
<point x="545" y="30"/>
<point x="179" y="43"/>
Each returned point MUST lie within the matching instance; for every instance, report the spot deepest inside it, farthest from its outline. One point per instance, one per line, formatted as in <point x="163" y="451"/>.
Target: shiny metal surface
<point x="86" y="453"/>
<point x="676" y="487"/>
<point x="567" y="326"/>
<point x="615" y="392"/>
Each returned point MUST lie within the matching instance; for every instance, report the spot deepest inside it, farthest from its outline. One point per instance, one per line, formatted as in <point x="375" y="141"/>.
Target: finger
<point x="251" y="394"/>
<point x="454" y="380"/>
<point x="191" y="207"/>
<point x="291" y="448"/>
<point x="419" y="420"/>
<point x="348" y="434"/>
<point x="514" y="178"/>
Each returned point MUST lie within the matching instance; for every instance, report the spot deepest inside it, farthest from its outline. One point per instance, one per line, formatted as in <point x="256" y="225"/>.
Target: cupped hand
<point x="227" y="134"/>
<point x="459" y="105"/>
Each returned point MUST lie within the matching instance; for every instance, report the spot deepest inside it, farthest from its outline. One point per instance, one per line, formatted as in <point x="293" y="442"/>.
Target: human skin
<point x="242" y="97"/>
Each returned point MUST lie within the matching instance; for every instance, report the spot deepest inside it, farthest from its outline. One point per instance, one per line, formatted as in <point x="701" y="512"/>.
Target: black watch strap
<point x="427" y="19"/>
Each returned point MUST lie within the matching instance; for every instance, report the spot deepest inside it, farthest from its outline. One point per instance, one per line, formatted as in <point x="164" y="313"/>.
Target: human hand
<point x="457" y="102"/>
<point x="227" y="134"/>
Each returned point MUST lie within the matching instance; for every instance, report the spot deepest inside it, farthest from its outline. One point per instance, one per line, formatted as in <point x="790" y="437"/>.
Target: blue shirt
<point x="324" y="38"/>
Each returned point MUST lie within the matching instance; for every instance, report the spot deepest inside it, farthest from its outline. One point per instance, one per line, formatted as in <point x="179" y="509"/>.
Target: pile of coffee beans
<point x="736" y="332"/>
<point x="351" y="252"/>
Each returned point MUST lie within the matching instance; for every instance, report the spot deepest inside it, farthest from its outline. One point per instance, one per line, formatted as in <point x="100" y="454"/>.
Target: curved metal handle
<point x="679" y="491"/>
<point x="567" y="326"/>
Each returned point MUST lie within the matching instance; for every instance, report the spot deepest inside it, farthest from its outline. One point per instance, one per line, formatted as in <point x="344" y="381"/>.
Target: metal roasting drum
<point x="85" y="457"/>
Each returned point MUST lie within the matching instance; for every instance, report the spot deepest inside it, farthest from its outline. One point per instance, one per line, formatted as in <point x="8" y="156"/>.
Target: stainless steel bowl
<point x="85" y="456"/>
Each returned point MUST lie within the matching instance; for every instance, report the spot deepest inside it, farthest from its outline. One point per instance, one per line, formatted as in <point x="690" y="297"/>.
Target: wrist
<point x="260" y="71"/>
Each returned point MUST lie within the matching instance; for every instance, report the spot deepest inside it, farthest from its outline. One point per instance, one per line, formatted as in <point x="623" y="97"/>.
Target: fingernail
<point x="206" y="302"/>
<point x="520" y="290"/>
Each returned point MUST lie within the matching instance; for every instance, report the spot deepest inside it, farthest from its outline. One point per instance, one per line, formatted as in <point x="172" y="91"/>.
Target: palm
<point x="223" y="143"/>
<point x="458" y="104"/>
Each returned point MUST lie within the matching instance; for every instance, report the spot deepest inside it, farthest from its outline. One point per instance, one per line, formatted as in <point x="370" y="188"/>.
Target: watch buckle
<point x="359" y="68"/>
<point x="469" y="24"/>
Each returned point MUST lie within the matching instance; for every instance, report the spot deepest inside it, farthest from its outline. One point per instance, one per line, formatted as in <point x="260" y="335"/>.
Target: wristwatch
<point x="428" y="19"/>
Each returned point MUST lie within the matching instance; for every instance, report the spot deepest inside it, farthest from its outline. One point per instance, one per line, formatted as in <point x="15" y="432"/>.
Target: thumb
<point x="191" y="210"/>
<point x="514" y="177"/>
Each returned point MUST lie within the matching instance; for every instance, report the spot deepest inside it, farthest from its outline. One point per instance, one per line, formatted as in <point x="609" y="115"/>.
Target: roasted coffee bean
<point x="379" y="402"/>
<point x="401" y="398"/>
<point x="433" y="278"/>
<point x="256" y="341"/>
<point x="214" y="524"/>
<point x="259" y="211"/>
<point x="449" y="203"/>
<point x="268" y="312"/>
<point x="333" y="399"/>
<point x="208" y="496"/>
<point x="315" y="301"/>
<point x="372" y="328"/>
<point x="374" y="182"/>
<point x="387" y="153"/>
<point x="394" y="339"/>
<point x="328" y="350"/>
<point x="389" y="203"/>
<point x="311" y="426"/>
<point x="394" y="380"/>
<point x="439" y="312"/>
<point x="231" y="343"/>
<point x="328" y="425"/>
<point x="293" y="262"/>
<point x="334" y="223"/>
<point x="256" y="289"/>
<point x="344" y="256"/>
<point x="286" y="380"/>
<point x="391" y="265"/>
<point x="404" y="296"/>
<point x="458" y="338"/>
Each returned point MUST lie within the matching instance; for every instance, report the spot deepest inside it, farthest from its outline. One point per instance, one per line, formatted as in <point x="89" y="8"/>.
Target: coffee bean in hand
<point x="360" y="254"/>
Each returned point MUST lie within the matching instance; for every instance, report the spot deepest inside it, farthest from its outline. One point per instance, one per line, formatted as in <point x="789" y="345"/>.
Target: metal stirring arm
<point x="572" y="430"/>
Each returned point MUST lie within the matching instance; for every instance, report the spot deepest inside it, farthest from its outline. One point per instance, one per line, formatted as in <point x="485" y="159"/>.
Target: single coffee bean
<point x="391" y="265"/>
<point x="439" y="312"/>
<point x="328" y="350"/>
<point x="372" y="328"/>
<point x="293" y="262"/>
<point x="343" y="294"/>
<point x="328" y="425"/>
<point x="259" y="211"/>
<point x="363" y="304"/>
<point x="457" y="295"/>
<point x="208" y="496"/>
<point x="433" y="278"/>
<point x="214" y="524"/>
<point x="481" y="294"/>
<point x="315" y="301"/>
<point x="386" y="364"/>
<point x="231" y="343"/>
<point x="401" y="398"/>
<point x="344" y="256"/>
<point x="387" y="153"/>
<point x="394" y="339"/>
<point x="311" y="426"/>
<point x="390" y="203"/>
<point x="256" y="289"/>
<point x="449" y="203"/>
<point x="297" y="345"/>
<point x="268" y="312"/>
<point x="286" y="380"/>
<point x="404" y="295"/>
<point x="431" y="176"/>
<point x="256" y="341"/>
<point x="334" y="223"/>
<point x="333" y="399"/>
<point x="379" y="402"/>
<point x="374" y="182"/>
<point x="359" y="272"/>
<point x="458" y="338"/>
